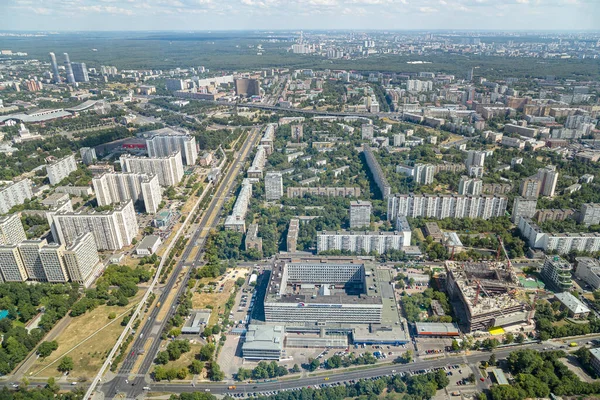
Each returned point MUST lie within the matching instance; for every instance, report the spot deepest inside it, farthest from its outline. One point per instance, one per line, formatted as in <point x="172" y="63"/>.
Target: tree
<point x="214" y="373"/>
<point x="509" y="338"/>
<point x="295" y="368"/>
<point x="206" y="352"/>
<point x="196" y="367"/>
<point x="66" y="364"/>
<point x="162" y="357"/>
<point x="520" y="338"/>
<point x="313" y="364"/>
<point x="46" y="348"/>
<point x="455" y="346"/>
<point x="492" y="360"/>
<point x="112" y="315"/>
<point x="334" y="362"/>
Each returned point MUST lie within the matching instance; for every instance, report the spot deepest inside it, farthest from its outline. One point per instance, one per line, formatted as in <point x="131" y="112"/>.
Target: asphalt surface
<point x="152" y="327"/>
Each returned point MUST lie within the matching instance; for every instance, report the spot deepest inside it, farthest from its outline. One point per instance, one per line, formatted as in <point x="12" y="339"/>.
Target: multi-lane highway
<point x="152" y="328"/>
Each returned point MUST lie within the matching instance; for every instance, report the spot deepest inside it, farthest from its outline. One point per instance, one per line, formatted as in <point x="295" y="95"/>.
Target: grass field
<point x="217" y="300"/>
<point x="90" y="354"/>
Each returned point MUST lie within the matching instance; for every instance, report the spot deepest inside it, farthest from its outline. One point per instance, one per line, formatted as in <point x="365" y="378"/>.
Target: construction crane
<point x="480" y="288"/>
<point x="501" y="245"/>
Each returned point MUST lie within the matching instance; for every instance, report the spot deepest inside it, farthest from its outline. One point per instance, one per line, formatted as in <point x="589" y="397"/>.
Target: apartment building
<point x="112" y="230"/>
<point x="60" y="169"/>
<point x="14" y="194"/>
<point x="377" y="172"/>
<point x="273" y="186"/>
<point x="166" y="141"/>
<point x="445" y="206"/>
<point x="12" y="268"/>
<point x="168" y="169"/>
<point x="237" y="220"/>
<point x="117" y="187"/>
<point x="81" y="259"/>
<point x="362" y="242"/>
<point x="360" y="213"/>
<point x="11" y="230"/>
<point x="292" y="235"/>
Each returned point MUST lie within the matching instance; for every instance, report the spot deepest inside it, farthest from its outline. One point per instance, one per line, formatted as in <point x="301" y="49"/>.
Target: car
<point x="482" y="379"/>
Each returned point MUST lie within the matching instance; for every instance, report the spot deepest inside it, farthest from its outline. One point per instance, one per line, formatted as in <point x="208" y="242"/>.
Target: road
<point x="153" y="327"/>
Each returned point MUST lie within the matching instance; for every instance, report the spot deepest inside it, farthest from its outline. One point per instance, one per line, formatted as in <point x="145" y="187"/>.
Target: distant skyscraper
<point x="470" y="74"/>
<point x="70" y="76"/>
<point x="80" y="72"/>
<point x="55" y="74"/>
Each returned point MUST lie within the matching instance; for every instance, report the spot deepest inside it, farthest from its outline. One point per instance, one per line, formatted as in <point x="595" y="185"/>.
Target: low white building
<point x="148" y="245"/>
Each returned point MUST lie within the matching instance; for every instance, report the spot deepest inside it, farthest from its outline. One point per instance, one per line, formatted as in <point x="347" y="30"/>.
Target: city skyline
<point x="132" y="15"/>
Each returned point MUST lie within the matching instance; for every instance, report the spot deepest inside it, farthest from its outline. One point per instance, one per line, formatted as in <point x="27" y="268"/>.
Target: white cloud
<point x="428" y="10"/>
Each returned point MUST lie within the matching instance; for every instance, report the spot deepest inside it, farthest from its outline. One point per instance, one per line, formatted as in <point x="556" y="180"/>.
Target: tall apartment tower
<point x="54" y="65"/>
<point x="11" y="230"/>
<point x="360" y="213"/>
<point x="53" y="263"/>
<point x="116" y="187"/>
<point x="548" y="177"/>
<point x="59" y="170"/>
<point x="297" y="132"/>
<point x="524" y="207"/>
<point x="475" y="158"/>
<point x="70" y="76"/>
<point x="80" y="72"/>
<point x="81" y="258"/>
<point x="14" y="194"/>
<point x="12" y="268"/>
<point x="169" y="169"/>
<point x="273" y="185"/>
<point x="167" y="141"/>
<point x="88" y="155"/>
<point x="30" y="253"/>
<point x="470" y="186"/>
<point x="530" y="187"/>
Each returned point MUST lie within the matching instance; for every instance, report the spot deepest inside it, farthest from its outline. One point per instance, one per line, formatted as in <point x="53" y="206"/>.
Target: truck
<point x="158" y="305"/>
<point x="232" y="387"/>
<point x="572" y="344"/>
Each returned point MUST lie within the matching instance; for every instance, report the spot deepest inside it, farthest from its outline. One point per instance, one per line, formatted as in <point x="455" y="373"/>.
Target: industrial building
<point x="196" y="322"/>
<point x="436" y="329"/>
<point x="148" y="245"/>
<point x="490" y="295"/>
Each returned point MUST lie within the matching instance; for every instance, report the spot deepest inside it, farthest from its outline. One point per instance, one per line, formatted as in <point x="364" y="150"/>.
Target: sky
<point x="201" y="15"/>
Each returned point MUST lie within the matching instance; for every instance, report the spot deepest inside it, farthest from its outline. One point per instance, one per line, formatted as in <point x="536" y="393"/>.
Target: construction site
<point x="490" y="295"/>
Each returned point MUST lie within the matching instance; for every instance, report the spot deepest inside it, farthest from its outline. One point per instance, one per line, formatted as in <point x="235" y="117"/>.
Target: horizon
<point x="356" y="15"/>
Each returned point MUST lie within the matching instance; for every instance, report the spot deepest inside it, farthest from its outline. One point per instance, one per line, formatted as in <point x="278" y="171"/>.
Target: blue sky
<point x="299" y="14"/>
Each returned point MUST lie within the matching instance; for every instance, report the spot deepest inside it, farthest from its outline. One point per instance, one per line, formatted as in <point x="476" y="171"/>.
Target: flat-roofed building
<point x="362" y="242"/>
<point x="263" y="342"/>
<point x="237" y="220"/>
<point x="292" y="235"/>
<point x="117" y="187"/>
<point x="588" y="270"/>
<point x="169" y="169"/>
<point x="556" y="273"/>
<point x="166" y="141"/>
<point x="60" y="169"/>
<point x="273" y="185"/>
<point x="323" y="191"/>
<point x="445" y="206"/>
<point x="52" y="258"/>
<point x="11" y="230"/>
<point x="436" y="329"/>
<point x="148" y="245"/>
<point x="12" y="268"/>
<point x="14" y="194"/>
<point x="377" y="172"/>
<point x="112" y="230"/>
<point x="360" y="213"/>
<point x="81" y="259"/>
<point x="252" y="240"/>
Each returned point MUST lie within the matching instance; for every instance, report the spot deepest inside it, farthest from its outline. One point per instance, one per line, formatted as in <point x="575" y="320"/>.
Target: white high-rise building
<point x="112" y="229"/>
<point x="475" y="158"/>
<point x="53" y="263"/>
<point x="360" y="213"/>
<point x="470" y="186"/>
<point x="549" y="178"/>
<point x="30" y="253"/>
<point x="166" y="141"/>
<point x="63" y="206"/>
<point x="88" y="155"/>
<point x="81" y="259"/>
<point x="367" y="131"/>
<point x="117" y="187"/>
<point x="12" y="268"/>
<point x="60" y="169"/>
<point x="445" y="206"/>
<point x="14" y="194"/>
<point x="169" y="169"/>
<point x="11" y="230"/>
<point x="237" y="220"/>
<point x="399" y="140"/>
<point x="273" y="185"/>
